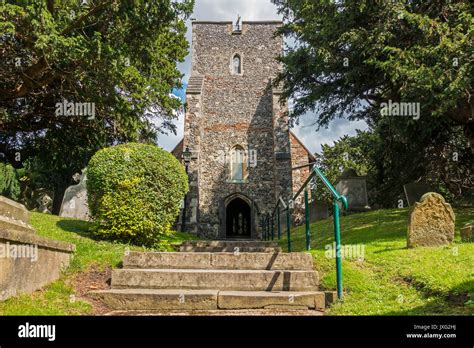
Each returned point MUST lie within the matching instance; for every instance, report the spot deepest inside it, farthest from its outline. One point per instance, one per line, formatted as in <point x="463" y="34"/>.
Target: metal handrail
<point x="270" y="219"/>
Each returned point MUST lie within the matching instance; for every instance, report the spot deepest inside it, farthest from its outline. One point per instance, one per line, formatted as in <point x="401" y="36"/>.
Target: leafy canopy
<point x="351" y="56"/>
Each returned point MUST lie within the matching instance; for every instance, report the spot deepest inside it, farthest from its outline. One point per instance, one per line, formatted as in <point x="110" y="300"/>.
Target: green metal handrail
<point x="280" y="207"/>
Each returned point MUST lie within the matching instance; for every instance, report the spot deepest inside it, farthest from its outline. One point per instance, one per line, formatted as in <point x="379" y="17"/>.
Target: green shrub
<point x="9" y="184"/>
<point x="134" y="192"/>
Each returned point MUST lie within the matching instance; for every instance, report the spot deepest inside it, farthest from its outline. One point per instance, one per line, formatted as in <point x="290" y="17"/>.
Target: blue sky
<point x="227" y="10"/>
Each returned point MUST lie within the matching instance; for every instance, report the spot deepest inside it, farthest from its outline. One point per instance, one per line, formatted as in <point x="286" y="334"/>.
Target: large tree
<point x="351" y="56"/>
<point x="119" y="56"/>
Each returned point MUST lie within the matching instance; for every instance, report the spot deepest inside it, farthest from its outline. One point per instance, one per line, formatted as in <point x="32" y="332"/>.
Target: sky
<point x="252" y="10"/>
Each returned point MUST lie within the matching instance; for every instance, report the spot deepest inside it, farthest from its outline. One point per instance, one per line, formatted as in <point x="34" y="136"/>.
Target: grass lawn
<point x="91" y="259"/>
<point x="391" y="279"/>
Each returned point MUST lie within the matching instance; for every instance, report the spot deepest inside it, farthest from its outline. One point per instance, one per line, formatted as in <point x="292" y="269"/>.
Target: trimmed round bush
<point x="134" y="193"/>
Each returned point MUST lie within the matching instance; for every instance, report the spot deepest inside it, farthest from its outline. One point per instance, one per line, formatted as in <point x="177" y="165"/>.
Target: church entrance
<point x="238" y="219"/>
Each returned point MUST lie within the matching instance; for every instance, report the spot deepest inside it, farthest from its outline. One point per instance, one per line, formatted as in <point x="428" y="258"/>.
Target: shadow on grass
<point x="357" y="228"/>
<point x="459" y="301"/>
<point x="76" y="226"/>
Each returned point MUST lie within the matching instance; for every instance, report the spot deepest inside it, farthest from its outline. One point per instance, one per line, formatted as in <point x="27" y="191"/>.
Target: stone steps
<point x="242" y="280"/>
<point x="229" y="246"/>
<point x="194" y="281"/>
<point x="219" y="260"/>
<point x="178" y="299"/>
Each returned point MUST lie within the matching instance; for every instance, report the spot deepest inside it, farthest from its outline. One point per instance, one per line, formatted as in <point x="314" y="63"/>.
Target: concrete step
<point x="241" y="280"/>
<point x="157" y="299"/>
<point x="218" y="312"/>
<point x="175" y="299"/>
<point x="208" y="260"/>
<point x="271" y="300"/>
<point x="229" y="246"/>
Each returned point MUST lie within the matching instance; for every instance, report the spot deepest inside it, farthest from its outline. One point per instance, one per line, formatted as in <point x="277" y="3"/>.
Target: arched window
<point x="238" y="164"/>
<point x="237" y="65"/>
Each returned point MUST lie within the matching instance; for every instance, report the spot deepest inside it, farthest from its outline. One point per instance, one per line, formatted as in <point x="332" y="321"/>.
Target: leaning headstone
<point x="431" y="222"/>
<point x="354" y="187"/>
<point x="414" y="191"/>
<point x="467" y="233"/>
<point x="75" y="201"/>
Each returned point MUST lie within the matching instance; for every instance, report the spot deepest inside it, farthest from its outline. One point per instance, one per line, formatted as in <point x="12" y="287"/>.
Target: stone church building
<point x="239" y="151"/>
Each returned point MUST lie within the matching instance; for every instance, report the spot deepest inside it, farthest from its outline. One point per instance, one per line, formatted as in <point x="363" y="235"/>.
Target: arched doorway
<point x="238" y="219"/>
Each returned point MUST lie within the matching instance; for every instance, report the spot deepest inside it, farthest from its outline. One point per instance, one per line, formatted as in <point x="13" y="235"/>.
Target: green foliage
<point x="9" y="184"/>
<point x="134" y="192"/>
<point x="389" y="157"/>
<point x="121" y="56"/>
<point x="353" y="51"/>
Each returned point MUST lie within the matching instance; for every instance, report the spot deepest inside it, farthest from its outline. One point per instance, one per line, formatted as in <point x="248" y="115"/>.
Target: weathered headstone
<point x="431" y="222"/>
<point x="318" y="210"/>
<point x="74" y="203"/>
<point x="43" y="201"/>
<point x="414" y="191"/>
<point x="354" y="187"/>
<point x="467" y="233"/>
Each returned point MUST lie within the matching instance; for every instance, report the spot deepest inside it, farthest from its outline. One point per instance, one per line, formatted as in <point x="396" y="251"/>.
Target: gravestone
<point x="318" y="210"/>
<point x="74" y="203"/>
<point x="43" y="201"/>
<point x="431" y="222"/>
<point x="467" y="233"/>
<point x="354" y="187"/>
<point x="414" y="191"/>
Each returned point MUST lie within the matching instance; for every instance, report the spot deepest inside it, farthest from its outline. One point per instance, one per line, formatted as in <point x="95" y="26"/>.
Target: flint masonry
<point x="236" y="129"/>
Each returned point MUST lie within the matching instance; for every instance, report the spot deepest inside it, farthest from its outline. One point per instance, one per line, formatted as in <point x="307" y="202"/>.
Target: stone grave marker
<point x="354" y="187"/>
<point x="74" y="203"/>
<point x="318" y="210"/>
<point x="431" y="222"/>
<point x="467" y="233"/>
<point x="414" y="191"/>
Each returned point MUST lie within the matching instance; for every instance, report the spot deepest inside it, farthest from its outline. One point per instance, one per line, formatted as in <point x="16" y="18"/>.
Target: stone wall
<point x="225" y="110"/>
<point x="27" y="261"/>
<point x="300" y="156"/>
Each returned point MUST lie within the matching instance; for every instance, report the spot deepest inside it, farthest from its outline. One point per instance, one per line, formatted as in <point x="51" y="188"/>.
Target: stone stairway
<point x="215" y="276"/>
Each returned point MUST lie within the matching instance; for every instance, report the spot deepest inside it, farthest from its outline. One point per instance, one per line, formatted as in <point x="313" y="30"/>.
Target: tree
<point x="117" y="57"/>
<point x="388" y="159"/>
<point x="352" y="56"/>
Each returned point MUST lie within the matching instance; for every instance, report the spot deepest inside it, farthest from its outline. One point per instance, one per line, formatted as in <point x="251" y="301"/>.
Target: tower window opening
<point x="237" y="65"/>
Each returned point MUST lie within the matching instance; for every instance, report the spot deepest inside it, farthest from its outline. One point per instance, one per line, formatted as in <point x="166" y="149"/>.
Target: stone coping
<point x="13" y="210"/>
<point x="30" y="238"/>
<point x="10" y="223"/>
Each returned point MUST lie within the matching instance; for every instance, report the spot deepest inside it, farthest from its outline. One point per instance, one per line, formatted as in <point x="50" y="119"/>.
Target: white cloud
<point x="306" y="131"/>
<point x="252" y="10"/>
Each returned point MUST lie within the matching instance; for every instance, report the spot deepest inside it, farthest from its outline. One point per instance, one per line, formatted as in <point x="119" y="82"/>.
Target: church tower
<point x="236" y="130"/>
